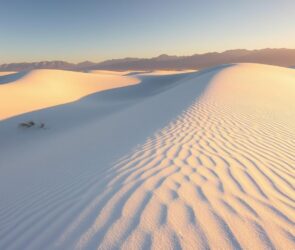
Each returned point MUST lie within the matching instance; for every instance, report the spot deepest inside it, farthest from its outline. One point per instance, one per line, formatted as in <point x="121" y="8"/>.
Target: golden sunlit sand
<point x="197" y="160"/>
<point x="46" y="88"/>
<point x="5" y="73"/>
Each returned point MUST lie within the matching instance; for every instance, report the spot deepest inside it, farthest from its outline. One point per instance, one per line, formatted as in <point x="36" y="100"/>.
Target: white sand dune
<point x="38" y="89"/>
<point x="200" y="160"/>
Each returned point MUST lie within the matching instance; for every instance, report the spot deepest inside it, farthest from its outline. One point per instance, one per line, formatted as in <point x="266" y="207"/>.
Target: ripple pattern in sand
<point x="211" y="179"/>
<point x="215" y="177"/>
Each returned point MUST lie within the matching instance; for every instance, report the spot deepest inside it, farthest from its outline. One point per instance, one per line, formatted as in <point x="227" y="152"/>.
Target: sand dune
<point x="38" y="89"/>
<point x="151" y="72"/>
<point x="200" y="160"/>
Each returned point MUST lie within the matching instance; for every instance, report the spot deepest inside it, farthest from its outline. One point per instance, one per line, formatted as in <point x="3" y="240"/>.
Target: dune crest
<point x="204" y="162"/>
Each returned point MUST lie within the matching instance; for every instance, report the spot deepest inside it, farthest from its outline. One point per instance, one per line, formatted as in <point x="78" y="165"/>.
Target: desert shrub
<point x="29" y="124"/>
<point x="26" y="124"/>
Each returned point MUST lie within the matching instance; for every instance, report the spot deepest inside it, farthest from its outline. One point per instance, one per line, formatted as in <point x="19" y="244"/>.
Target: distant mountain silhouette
<point x="280" y="57"/>
<point x="37" y="65"/>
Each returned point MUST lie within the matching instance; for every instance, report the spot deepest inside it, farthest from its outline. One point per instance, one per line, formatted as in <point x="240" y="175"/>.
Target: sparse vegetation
<point x="30" y="124"/>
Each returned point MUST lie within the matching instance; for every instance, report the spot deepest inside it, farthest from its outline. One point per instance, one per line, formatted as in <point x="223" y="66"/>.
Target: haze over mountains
<point x="279" y="57"/>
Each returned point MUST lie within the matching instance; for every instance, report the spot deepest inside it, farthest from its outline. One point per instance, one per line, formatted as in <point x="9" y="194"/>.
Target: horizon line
<point x="152" y="57"/>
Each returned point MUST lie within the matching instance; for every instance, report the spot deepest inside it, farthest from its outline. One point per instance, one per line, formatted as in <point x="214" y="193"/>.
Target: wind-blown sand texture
<point x="200" y="160"/>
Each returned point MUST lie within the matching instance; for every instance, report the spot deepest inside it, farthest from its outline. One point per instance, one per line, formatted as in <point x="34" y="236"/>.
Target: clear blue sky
<point x="78" y="30"/>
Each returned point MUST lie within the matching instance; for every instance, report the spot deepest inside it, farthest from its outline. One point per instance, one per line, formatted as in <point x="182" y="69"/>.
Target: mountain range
<point x="279" y="57"/>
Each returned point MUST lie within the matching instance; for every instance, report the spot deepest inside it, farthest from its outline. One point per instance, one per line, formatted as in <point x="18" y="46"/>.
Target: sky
<point x="96" y="30"/>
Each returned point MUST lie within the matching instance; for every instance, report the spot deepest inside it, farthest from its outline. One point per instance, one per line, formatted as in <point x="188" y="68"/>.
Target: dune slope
<point x="38" y="89"/>
<point x="206" y="161"/>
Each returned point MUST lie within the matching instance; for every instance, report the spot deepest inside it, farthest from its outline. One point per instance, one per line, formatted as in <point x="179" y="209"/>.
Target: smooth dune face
<point x="40" y="89"/>
<point x="260" y="85"/>
<point x="206" y="163"/>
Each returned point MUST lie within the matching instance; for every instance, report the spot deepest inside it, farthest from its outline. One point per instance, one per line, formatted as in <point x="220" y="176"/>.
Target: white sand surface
<point x="199" y="160"/>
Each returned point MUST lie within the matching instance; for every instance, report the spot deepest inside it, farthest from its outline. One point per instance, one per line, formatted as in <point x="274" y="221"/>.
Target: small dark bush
<point x="29" y="124"/>
<point x="24" y="125"/>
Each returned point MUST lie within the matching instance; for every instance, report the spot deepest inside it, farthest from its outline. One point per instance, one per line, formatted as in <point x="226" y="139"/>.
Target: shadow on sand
<point x="12" y="77"/>
<point x="77" y="151"/>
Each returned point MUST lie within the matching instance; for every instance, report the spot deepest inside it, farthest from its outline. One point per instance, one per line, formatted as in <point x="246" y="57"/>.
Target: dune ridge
<point x="217" y="174"/>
